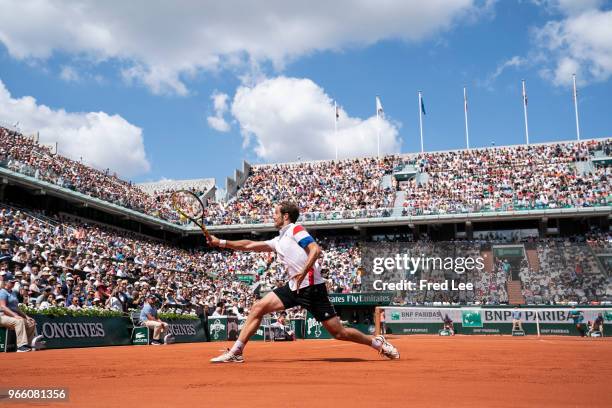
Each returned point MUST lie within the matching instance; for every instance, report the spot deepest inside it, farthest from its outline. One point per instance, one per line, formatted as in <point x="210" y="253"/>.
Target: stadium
<point x="480" y="275"/>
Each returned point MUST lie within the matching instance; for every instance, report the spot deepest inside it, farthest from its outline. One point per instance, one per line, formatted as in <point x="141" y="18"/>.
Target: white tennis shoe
<point x="387" y="349"/>
<point x="228" y="357"/>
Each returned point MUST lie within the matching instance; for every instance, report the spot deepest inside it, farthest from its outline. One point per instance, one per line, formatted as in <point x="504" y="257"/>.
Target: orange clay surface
<point x="461" y="371"/>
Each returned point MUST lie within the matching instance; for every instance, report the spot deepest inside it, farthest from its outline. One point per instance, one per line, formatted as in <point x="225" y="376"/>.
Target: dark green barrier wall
<point x="218" y="329"/>
<point x="64" y="332"/>
<point x="186" y="330"/>
<point x="315" y="330"/>
<point x="3" y="339"/>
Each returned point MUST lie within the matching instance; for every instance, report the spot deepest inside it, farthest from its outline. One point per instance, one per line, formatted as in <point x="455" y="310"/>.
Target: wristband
<point x="222" y="243"/>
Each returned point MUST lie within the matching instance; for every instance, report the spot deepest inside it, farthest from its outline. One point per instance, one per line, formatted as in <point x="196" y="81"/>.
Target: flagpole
<point x="525" y="109"/>
<point x="467" y="134"/>
<point x="377" y="129"/>
<point x="576" y="108"/>
<point x="421" y="120"/>
<point x="336" y="128"/>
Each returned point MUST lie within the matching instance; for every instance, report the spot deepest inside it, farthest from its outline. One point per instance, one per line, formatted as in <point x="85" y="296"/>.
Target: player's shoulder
<point x="297" y="228"/>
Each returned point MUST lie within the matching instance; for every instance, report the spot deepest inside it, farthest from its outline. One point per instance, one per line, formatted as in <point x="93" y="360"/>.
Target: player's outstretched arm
<point x="240" y="245"/>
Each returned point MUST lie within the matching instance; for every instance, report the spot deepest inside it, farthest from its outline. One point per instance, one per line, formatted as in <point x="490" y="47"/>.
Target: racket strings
<point x="187" y="205"/>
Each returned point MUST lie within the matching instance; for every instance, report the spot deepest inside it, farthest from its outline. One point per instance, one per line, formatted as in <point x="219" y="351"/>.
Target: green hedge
<point x="63" y="311"/>
<point x="176" y="316"/>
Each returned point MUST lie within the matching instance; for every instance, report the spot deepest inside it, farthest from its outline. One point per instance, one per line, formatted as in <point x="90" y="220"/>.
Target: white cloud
<point x="218" y="121"/>
<point x="580" y="43"/>
<point x="69" y="74"/>
<point x="219" y="102"/>
<point x="283" y="116"/>
<point x="514" y="62"/>
<point x="102" y="140"/>
<point x="569" y="7"/>
<point x="163" y="44"/>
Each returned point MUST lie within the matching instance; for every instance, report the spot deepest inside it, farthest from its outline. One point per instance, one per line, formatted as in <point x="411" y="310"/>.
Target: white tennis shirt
<point x="290" y="245"/>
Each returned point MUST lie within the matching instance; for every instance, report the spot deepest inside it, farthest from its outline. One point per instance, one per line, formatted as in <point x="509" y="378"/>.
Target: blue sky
<point x="150" y="104"/>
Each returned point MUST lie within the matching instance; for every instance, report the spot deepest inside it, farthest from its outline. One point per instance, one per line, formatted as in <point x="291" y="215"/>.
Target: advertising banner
<point x="476" y="317"/>
<point x="64" y="332"/>
<point x="361" y="299"/>
<point x="186" y="330"/>
<point x="140" y="336"/>
<point x="475" y="320"/>
<point x="217" y="328"/>
<point x="315" y="329"/>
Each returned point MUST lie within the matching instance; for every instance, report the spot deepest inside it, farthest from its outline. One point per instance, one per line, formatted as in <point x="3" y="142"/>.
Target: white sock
<point x="237" y="347"/>
<point x="376" y="343"/>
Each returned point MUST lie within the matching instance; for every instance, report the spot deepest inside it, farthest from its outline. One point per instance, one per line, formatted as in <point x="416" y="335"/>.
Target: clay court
<point x="433" y="371"/>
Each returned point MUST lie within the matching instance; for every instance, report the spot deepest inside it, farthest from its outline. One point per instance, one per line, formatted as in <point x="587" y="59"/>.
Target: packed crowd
<point x="322" y="190"/>
<point x="506" y="179"/>
<point x="24" y="155"/>
<point x="80" y="265"/>
<point x="341" y="265"/>
<point x="569" y="272"/>
<point x="71" y="263"/>
<point x="74" y="264"/>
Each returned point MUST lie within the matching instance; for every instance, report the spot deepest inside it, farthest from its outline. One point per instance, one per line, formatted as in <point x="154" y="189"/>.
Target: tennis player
<point x="298" y="252"/>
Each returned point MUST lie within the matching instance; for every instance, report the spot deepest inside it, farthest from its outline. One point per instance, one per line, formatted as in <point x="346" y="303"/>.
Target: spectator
<point x="13" y="318"/>
<point x="75" y="304"/>
<point x="148" y="318"/>
<point x="517" y="324"/>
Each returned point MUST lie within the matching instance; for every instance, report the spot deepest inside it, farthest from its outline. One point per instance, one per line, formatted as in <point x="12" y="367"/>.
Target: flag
<point x="337" y="112"/>
<point x="524" y="96"/>
<point x="379" y="108"/>
<point x="422" y="106"/>
<point x="464" y="100"/>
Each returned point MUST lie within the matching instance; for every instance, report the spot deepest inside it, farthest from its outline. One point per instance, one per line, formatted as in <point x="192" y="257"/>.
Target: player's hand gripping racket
<point x="189" y="206"/>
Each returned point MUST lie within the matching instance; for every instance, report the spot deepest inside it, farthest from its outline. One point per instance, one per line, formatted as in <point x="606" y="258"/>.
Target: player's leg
<point x="339" y="332"/>
<point x="270" y="303"/>
<point x="315" y="299"/>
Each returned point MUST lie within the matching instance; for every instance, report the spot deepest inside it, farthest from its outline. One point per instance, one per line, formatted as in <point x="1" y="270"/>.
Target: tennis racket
<point x="189" y="207"/>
